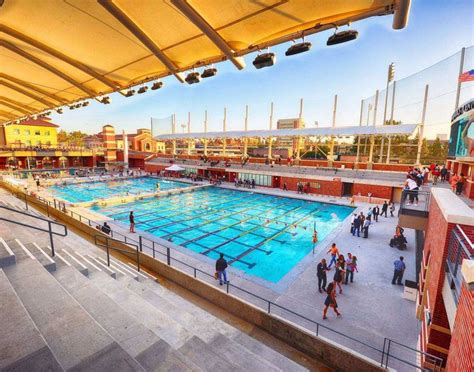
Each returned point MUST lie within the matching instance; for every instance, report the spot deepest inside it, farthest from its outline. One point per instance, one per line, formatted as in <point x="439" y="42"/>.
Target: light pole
<point x="390" y="76"/>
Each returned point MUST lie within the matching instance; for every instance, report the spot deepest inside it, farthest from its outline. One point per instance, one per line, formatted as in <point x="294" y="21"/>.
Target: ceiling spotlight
<point x="59" y="110"/>
<point x="264" y="60"/>
<point x="298" y="48"/>
<point x="209" y="72"/>
<point x="72" y="107"/>
<point x="342" y="37"/>
<point x="157" y="85"/>
<point x="105" y="100"/>
<point x="85" y="103"/>
<point x="143" y="89"/>
<point x="193" y="78"/>
<point x="130" y="93"/>
<point x="78" y="105"/>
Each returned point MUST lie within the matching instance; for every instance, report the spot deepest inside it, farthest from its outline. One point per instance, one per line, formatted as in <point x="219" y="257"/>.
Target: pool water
<point x="88" y="191"/>
<point x="262" y="235"/>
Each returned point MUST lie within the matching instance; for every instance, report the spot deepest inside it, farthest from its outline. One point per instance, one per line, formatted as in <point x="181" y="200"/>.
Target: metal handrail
<point x="108" y="247"/>
<point x="49" y="230"/>
<point x="384" y="352"/>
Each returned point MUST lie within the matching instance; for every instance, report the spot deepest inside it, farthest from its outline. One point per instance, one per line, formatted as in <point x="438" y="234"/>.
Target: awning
<point x="175" y="168"/>
<point x="403" y="129"/>
<point x="56" y="52"/>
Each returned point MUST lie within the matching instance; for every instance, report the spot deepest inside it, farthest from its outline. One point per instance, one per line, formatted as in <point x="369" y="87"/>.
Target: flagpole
<point x="461" y="68"/>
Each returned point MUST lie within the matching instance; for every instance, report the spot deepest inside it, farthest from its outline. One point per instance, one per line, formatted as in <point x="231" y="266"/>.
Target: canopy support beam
<point x="7" y="115"/>
<point x="16" y="108"/>
<point x="26" y="93"/>
<point x="46" y="66"/>
<point x="131" y="26"/>
<point x="209" y="31"/>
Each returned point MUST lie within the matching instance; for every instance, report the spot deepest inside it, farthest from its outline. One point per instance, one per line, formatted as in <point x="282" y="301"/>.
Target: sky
<point x="437" y="29"/>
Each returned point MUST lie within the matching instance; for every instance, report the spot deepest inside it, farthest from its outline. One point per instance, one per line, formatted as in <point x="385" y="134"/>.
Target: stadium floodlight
<point x="72" y="107"/>
<point x="142" y="89"/>
<point x="298" y="48"/>
<point x="78" y="105"/>
<point x="342" y="37"/>
<point x="157" y="85"/>
<point x="209" y="72"/>
<point x="105" y="100"/>
<point x="59" y="110"/>
<point x="193" y="78"/>
<point x="130" y="93"/>
<point x="85" y="103"/>
<point x="264" y="60"/>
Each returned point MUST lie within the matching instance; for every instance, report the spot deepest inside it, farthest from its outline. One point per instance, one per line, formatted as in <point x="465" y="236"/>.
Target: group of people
<point x="249" y="184"/>
<point x="345" y="267"/>
<point x="360" y="223"/>
<point x="302" y="188"/>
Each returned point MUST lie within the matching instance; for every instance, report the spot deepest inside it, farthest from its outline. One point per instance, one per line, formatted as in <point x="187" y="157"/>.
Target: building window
<point x="47" y="133"/>
<point x="37" y="133"/>
<point x="147" y="147"/>
<point x="27" y="132"/>
<point x="16" y="131"/>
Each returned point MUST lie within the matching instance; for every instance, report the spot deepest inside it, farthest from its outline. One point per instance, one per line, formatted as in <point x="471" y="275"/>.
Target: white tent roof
<point x="175" y="168"/>
<point x="404" y="129"/>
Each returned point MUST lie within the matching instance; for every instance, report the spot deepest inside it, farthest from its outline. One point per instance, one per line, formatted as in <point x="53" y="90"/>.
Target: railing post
<point x="138" y="260"/>
<point x="227" y="287"/>
<point x="26" y="201"/>
<point x="80" y="218"/>
<point x="168" y="256"/>
<point x="125" y="236"/>
<point x="383" y="351"/>
<point x="55" y="204"/>
<point x="47" y="209"/>
<point x="140" y="244"/>
<point x="194" y="272"/>
<point x="51" y="238"/>
<point x="269" y="303"/>
<point x="317" y="329"/>
<point x="388" y="353"/>
<point x="108" y="251"/>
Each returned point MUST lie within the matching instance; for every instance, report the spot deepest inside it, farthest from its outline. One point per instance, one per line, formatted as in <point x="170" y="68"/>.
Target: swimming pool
<point x="88" y="191"/>
<point x="262" y="235"/>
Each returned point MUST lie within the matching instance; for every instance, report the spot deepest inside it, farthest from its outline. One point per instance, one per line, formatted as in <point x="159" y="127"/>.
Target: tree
<point x="75" y="138"/>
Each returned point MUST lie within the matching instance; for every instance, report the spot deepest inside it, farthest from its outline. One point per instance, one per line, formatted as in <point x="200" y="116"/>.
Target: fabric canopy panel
<point x="58" y="52"/>
<point x="175" y="168"/>
<point x="387" y="130"/>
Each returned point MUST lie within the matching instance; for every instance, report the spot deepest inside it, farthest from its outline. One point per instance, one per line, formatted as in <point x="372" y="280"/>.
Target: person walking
<point x="330" y="301"/>
<point x="384" y="209"/>
<point x="356" y="225"/>
<point x="392" y="209"/>
<point x="131" y="218"/>
<point x="322" y="277"/>
<point x="221" y="265"/>
<point x="349" y="268"/>
<point x="399" y="269"/>
<point x="334" y="254"/>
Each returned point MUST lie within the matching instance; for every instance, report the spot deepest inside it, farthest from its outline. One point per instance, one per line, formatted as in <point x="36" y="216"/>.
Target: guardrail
<point x="50" y="223"/>
<point x="107" y="246"/>
<point x="415" y="203"/>
<point x="406" y="356"/>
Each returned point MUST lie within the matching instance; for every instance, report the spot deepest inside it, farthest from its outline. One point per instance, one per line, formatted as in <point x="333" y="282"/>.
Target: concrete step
<point x="102" y="266"/>
<point x="22" y="348"/>
<point x="206" y="358"/>
<point x="160" y="323"/>
<point x="20" y="251"/>
<point x="75" y="338"/>
<point x="73" y="261"/>
<point x="120" y="268"/>
<point x="7" y="257"/>
<point x="42" y="257"/>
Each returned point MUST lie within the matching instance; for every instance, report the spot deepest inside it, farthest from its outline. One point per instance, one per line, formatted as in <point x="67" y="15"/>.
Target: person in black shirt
<point x="322" y="278"/>
<point x="221" y="265"/>
<point x="384" y="209"/>
<point x="131" y="218"/>
<point x="106" y="228"/>
<point x="376" y="212"/>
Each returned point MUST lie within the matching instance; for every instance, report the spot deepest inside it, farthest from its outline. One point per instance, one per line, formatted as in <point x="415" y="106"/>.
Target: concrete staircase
<point x="73" y="312"/>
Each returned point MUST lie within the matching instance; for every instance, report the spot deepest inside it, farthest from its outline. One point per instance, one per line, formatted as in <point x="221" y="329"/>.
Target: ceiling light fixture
<point x="298" y="48"/>
<point x="342" y="37"/>
<point x="157" y="85"/>
<point x="209" y="72"/>
<point x="142" y="90"/>
<point x="193" y="78"/>
<point x="264" y="60"/>
<point x="130" y="93"/>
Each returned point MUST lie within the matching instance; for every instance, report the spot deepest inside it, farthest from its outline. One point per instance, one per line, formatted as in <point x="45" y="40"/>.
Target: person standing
<point x="392" y="209"/>
<point x="444" y="173"/>
<point x="356" y="226"/>
<point x="131" y="218"/>
<point x="330" y="301"/>
<point x="376" y="212"/>
<point x="399" y="269"/>
<point x="221" y="265"/>
<point x="322" y="277"/>
<point x="339" y="275"/>
<point x="384" y="209"/>
<point x="365" y="228"/>
<point x="334" y="255"/>
<point x="349" y="269"/>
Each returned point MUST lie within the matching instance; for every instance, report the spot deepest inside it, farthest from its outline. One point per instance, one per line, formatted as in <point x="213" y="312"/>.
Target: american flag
<point x="467" y="76"/>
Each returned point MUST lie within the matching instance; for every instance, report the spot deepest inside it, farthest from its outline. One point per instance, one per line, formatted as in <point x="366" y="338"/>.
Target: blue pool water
<point x="88" y="191"/>
<point x="262" y="235"/>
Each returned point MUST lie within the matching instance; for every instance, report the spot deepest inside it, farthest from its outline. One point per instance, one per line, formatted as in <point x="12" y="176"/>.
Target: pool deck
<point x="372" y="307"/>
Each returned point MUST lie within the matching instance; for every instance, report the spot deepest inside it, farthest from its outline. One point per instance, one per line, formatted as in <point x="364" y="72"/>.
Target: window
<point x="16" y="131"/>
<point x="47" y="133"/>
<point x="147" y="147"/>
<point x="37" y="133"/>
<point x="27" y="132"/>
<point x="260" y="179"/>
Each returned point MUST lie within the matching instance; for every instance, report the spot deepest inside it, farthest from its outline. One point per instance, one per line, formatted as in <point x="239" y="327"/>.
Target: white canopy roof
<point x="403" y="129"/>
<point x="175" y="168"/>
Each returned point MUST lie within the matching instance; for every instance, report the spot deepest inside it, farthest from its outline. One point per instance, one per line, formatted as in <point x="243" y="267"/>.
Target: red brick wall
<point x="384" y="192"/>
<point x="327" y="187"/>
<point x="461" y="353"/>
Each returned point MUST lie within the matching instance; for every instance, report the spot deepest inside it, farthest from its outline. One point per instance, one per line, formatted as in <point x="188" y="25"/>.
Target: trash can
<point x="411" y="290"/>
